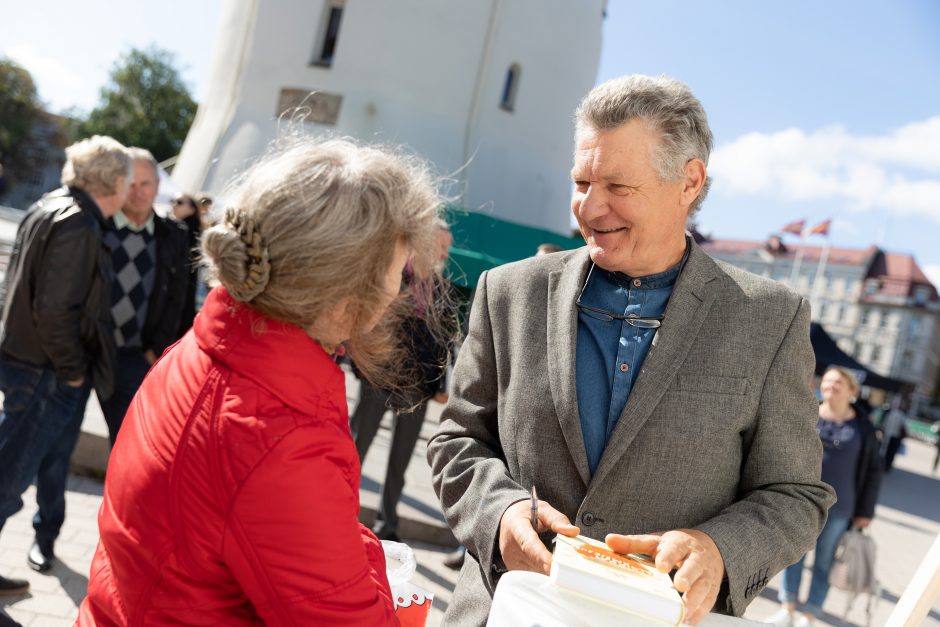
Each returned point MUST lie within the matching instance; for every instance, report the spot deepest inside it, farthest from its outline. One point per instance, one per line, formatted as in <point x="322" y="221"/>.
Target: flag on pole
<point x="820" y="229"/>
<point x="794" y="227"/>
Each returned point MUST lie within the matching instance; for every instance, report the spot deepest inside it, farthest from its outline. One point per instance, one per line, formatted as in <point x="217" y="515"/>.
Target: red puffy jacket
<point x="232" y="493"/>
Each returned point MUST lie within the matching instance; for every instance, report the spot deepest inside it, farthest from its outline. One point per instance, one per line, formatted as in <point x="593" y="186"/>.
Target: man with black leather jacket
<point x="57" y="337"/>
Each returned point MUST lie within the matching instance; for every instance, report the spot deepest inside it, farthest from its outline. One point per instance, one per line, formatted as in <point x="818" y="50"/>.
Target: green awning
<point x="482" y="242"/>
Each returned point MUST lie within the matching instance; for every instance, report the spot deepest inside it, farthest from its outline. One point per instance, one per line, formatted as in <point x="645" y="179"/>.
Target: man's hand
<point x="861" y="522"/>
<point x="76" y="383"/>
<point x="519" y="543"/>
<point x="150" y="356"/>
<point x="693" y="552"/>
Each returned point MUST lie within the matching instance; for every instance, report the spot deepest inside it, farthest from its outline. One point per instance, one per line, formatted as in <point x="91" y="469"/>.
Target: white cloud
<point x="899" y="171"/>
<point x="932" y="270"/>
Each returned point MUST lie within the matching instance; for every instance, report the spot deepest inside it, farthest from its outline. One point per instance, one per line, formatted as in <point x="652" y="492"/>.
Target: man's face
<point x="143" y="189"/>
<point x="632" y="222"/>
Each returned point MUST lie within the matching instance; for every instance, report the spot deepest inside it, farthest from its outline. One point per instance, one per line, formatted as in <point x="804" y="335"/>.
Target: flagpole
<point x="820" y="269"/>
<point x="795" y="270"/>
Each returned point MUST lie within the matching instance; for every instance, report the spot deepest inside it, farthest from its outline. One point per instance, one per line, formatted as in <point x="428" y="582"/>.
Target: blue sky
<point x="819" y="109"/>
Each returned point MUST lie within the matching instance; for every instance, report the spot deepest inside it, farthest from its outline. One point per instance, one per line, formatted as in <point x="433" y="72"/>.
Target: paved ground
<point x="907" y="522"/>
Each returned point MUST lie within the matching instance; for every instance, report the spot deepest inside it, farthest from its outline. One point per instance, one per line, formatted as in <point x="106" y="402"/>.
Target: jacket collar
<point x="685" y="312"/>
<point x="86" y="202"/>
<point x="279" y="357"/>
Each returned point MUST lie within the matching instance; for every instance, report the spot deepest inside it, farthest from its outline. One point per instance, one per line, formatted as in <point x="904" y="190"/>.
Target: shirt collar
<point x="121" y="222"/>
<point x="667" y="278"/>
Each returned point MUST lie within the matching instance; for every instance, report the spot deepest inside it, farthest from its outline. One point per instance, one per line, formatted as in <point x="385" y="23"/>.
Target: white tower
<point x="485" y="90"/>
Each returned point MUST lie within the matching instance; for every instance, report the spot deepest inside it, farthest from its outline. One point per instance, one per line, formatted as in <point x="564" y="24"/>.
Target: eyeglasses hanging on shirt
<point x="652" y="322"/>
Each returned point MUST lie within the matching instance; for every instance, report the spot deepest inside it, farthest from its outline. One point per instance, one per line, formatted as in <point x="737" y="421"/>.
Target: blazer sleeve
<point x="783" y="503"/>
<point x="302" y="558"/>
<point x="468" y="466"/>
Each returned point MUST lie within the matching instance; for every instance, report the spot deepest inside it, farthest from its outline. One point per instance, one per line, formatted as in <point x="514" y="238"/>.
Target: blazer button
<point x="588" y="519"/>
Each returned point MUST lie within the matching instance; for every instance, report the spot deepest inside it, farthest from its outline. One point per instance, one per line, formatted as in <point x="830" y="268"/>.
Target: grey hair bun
<point x="239" y="255"/>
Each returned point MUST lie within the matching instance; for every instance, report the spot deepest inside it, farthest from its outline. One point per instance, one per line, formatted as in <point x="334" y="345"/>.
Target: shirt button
<point x="636" y="282"/>
<point x="587" y="518"/>
<point x="624" y="367"/>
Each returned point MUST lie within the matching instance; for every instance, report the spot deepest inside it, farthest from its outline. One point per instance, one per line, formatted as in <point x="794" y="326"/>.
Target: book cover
<point x="628" y="582"/>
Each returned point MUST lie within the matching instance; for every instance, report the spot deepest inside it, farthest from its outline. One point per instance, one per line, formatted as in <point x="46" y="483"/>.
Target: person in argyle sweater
<point x="149" y="254"/>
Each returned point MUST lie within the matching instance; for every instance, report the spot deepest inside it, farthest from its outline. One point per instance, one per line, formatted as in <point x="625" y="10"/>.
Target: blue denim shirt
<point x="610" y="353"/>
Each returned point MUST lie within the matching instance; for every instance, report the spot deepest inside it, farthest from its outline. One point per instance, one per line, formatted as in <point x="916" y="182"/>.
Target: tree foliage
<point x="20" y="109"/>
<point x="145" y="103"/>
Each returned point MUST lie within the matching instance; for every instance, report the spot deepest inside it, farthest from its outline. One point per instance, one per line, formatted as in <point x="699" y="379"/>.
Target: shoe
<point x="803" y="621"/>
<point x="454" y="561"/>
<point x="385" y="534"/>
<point x="781" y="618"/>
<point x="39" y="559"/>
<point x="13" y="587"/>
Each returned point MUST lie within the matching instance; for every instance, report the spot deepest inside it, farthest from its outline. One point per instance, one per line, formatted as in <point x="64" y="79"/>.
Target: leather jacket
<point x="57" y="309"/>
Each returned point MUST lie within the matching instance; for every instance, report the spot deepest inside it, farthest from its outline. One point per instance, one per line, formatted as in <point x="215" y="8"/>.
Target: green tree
<point x="144" y="104"/>
<point x="20" y="109"/>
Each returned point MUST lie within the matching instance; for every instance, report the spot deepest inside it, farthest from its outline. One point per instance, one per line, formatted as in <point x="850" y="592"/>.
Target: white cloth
<point x="525" y="599"/>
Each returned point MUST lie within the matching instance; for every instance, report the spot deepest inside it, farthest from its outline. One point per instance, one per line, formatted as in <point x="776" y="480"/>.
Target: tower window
<point x="507" y="101"/>
<point x="329" y="34"/>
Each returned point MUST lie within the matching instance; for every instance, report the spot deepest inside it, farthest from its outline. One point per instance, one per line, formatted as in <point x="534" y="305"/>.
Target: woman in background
<point x="852" y="466"/>
<point x="233" y="497"/>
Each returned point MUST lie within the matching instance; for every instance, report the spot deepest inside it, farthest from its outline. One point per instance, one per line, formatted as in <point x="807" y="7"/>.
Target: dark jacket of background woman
<point x="868" y="469"/>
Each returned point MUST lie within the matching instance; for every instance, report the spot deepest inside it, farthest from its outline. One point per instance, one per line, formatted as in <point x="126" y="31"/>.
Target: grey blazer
<point x="718" y="433"/>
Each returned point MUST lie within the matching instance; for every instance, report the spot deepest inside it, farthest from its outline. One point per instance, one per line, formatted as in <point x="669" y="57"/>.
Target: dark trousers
<point x="364" y="424"/>
<point x="894" y="443"/>
<point x="39" y="426"/>
<point x="130" y="368"/>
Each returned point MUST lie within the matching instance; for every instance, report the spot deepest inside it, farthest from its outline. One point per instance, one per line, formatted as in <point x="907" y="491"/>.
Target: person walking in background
<point x="149" y="254"/>
<point x="57" y="337"/>
<point x="186" y="210"/>
<point x="427" y="356"/>
<point x="895" y="430"/>
<point x="232" y="494"/>
<point x="852" y="466"/>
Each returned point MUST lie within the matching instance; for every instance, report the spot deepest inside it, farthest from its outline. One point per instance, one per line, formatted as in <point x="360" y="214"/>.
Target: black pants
<point x="130" y="368"/>
<point x="364" y="424"/>
<point x="891" y="450"/>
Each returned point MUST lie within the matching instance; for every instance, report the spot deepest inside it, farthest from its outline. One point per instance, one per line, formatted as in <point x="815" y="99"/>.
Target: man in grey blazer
<point x="640" y="386"/>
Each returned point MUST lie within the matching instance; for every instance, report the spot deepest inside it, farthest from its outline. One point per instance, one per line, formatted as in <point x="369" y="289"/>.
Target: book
<point x="630" y="583"/>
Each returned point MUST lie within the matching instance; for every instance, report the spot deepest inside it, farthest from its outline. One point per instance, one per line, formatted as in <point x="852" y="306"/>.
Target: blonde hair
<point x="94" y="165"/>
<point x="319" y="221"/>
<point x="848" y="376"/>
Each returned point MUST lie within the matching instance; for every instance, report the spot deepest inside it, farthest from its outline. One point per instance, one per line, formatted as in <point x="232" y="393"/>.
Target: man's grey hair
<point x="95" y="164"/>
<point x="142" y="154"/>
<point x="668" y="107"/>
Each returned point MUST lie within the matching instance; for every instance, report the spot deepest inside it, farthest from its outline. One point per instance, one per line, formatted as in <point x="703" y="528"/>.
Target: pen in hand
<point x="534" y="508"/>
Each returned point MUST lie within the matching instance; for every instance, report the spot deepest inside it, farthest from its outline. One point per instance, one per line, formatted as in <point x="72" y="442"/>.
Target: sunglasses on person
<point x="653" y="322"/>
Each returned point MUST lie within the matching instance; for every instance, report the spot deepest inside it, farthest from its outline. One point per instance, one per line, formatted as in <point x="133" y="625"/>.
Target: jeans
<point x="364" y="424"/>
<point x="130" y="368"/>
<point x="39" y="426"/>
<point x="822" y="563"/>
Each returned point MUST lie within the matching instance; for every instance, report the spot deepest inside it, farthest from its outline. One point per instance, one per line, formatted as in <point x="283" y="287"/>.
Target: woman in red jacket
<point x="233" y="490"/>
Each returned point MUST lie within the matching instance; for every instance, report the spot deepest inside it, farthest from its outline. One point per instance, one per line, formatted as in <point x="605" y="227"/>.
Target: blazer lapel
<point x="563" y="288"/>
<point x="687" y="309"/>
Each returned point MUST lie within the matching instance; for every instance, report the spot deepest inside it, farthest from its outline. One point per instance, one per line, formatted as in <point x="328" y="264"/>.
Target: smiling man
<point x="654" y="397"/>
